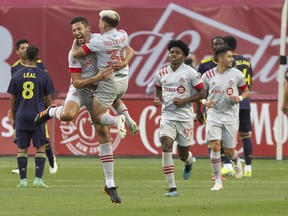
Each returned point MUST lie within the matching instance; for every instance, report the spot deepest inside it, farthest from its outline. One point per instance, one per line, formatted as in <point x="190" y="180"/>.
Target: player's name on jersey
<point x="29" y="75"/>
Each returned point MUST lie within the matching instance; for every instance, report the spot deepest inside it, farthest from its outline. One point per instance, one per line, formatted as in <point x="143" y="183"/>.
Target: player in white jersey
<point x="83" y="72"/>
<point x="222" y="105"/>
<point x="177" y="86"/>
<point x="110" y="47"/>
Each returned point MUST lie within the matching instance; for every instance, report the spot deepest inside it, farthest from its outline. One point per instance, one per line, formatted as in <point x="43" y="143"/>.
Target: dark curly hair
<point x="180" y="44"/>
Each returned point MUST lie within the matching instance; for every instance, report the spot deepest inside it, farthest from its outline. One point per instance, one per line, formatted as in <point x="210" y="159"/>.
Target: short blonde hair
<point x="111" y="17"/>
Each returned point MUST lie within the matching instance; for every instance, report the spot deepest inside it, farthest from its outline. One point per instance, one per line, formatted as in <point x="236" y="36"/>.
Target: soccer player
<point x="222" y="124"/>
<point x="205" y="65"/>
<point x="28" y="88"/>
<point x="21" y="47"/>
<point x="245" y="127"/>
<point x="177" y="86"/>
<point x="110" y="47"/>
<point x="83" y="77"/>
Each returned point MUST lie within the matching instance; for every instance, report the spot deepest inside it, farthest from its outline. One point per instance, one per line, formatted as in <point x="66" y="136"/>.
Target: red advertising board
<point x="150" y="25"/>
<point x="78" y="137"/>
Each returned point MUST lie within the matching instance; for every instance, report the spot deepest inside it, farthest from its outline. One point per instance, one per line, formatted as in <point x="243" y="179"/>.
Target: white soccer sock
<point x="215" y="160"/>
<point x="168" y="168"/>
<point x="189" y="160"/>
<point x="228" y="166"/>
<point x="122" y="109"/>
<point x="248" y="168"/>
<point x="56" y="112"/>
<point x="107" y="119"/>
<point x="235" y="156"/>
<point x="107" y="159"/>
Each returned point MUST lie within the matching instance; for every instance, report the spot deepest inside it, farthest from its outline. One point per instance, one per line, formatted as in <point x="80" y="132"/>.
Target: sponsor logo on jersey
<point x="167" y="89"/>
<point x="217" y="91"/>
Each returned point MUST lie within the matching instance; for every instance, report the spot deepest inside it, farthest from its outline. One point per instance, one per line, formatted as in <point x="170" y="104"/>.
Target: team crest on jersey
<point x="229" y="91"/>
<point x="182" y="80"/>
<point x="231" y="82"/>
<point x="181" y="89"/>
<point x="84" y="142"/>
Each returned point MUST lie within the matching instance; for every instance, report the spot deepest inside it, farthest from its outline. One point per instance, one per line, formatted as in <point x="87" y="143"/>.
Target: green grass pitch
<point x="77" y="189"/>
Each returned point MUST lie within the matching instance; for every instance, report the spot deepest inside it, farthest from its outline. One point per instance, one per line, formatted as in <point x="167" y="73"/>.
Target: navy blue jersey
<point x="18" y="65"/>
<point x="206" y="64"/>
<point x="244" y="65"/>
<point x="29" y="85"/>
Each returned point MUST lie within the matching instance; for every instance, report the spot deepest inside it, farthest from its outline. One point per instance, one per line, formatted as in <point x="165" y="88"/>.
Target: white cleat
<point x="238" y="169"/>
<point x="121" y="126"/>
<point x="133" y="128"/>
<point x="217" y="186"/>
<point x="53" y="169"/>
<point x="15" y="171"/>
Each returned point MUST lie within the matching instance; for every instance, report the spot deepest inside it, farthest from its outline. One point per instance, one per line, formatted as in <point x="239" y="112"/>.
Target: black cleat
<point x="43" y="116"/>
<point x="112" y="192"/>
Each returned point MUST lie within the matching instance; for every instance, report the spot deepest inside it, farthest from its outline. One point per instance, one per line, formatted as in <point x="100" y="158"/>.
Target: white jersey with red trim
<point x="109" y="47"/>
<point x="182" y="83"/>
<point x="87" y="65"/>
<point x="221" y="86"/>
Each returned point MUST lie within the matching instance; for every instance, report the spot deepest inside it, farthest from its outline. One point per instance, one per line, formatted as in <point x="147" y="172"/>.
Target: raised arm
<point x="78" y="51"/>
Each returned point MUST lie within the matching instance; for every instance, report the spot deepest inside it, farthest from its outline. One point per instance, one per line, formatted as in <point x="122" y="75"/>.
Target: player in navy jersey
<point x="30" y="88"/>
<point x="21" y="47"/>
<point x="205" y="65"/>
<point x="285" y="97"/>
<point x="209" y="62"/>
<point x="245" y="127"/>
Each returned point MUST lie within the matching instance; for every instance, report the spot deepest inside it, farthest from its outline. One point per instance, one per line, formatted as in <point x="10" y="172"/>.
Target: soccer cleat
<point x="247" y="174"/>
<point x="133" y="128"/>
<point x="217" y="186"/>
<point x="112" y="192"/>
<point x="121" y="126"/>
<point x="238" y="169"/>
<point x="187" y="171"/>
<point x="38" y="183"/>
<point x="228" y="172"/>
<point x="23" y="183"/>
<point x="43" y="116"/>
<point x="15" y="171"/>
<point x="53" y="169"/>
<point x="172" y="193"/>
